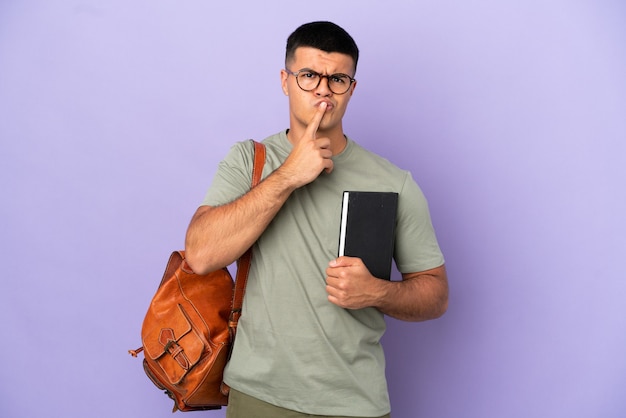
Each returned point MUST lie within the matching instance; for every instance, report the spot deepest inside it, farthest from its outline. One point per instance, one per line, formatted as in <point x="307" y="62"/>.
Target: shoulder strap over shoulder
<point x="243" y="264"/>
<point x="259" y="162"/>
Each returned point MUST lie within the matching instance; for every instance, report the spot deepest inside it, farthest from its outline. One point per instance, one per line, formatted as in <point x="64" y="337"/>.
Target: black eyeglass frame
<point x="319" y="80"/>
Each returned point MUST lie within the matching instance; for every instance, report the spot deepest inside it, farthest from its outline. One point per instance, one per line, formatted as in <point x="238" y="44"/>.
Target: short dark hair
<point x="325" y="36"/>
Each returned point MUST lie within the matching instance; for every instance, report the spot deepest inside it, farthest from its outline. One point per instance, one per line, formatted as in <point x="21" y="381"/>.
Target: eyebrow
<point x="317" y="72"/>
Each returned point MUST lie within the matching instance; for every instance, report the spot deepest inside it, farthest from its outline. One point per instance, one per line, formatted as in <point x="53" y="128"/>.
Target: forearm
<point x="217" y="236"/>
<point x="418" y="297"/>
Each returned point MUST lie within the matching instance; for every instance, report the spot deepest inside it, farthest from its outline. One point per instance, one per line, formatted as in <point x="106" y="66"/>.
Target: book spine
<point x="344" y="222"/>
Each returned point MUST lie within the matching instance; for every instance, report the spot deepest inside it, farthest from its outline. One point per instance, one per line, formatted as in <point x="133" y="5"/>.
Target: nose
<point x="323" y="89"/>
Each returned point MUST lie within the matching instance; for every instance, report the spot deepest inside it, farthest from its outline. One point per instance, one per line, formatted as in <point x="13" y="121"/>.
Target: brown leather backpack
<point x="190" y="327"/>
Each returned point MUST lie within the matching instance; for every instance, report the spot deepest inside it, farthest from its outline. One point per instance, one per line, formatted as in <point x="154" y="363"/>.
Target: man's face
<point x="303" y="104"/>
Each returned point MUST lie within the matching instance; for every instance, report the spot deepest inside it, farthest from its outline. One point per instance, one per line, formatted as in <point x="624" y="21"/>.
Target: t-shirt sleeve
<point x="233" y="176"/>
<point x="416" y="246"/>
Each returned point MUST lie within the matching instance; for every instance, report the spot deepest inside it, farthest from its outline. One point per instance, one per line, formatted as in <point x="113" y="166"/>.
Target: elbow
<point x="204" y="260"/>
<point x="442" y="305"/>
<point x="434" y="312"/>
<point x="442" y="309"/>
<point x="196" y="263"/>
<point x="442" y="297"/>
<point x="437" y="309"/>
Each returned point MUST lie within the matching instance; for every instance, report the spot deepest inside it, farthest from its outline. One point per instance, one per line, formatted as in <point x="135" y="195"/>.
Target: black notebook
<point x="368" y="221"/>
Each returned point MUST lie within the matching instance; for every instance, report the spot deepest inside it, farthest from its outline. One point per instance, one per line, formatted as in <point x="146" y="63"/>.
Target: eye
<point x="308" y="74"/>
<point x="339" y="79"/>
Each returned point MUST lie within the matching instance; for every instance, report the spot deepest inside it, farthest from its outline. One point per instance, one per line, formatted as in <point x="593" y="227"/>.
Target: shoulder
<point x="241" y="153"/>
<point x="358" y="152"/>
<point x="362" y="160"/>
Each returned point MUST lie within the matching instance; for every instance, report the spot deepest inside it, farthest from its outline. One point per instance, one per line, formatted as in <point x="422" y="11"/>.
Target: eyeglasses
<point x="309" y="80"/>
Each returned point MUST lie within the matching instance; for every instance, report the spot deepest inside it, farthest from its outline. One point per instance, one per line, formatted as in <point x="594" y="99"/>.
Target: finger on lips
<point x="317" y="118"/>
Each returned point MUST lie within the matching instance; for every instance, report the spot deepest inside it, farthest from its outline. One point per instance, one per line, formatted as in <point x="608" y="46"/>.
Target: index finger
<point x="312" y="127"/>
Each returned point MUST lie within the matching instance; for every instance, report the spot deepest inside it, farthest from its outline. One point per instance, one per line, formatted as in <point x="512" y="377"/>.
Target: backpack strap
<point x="243" y="264"/>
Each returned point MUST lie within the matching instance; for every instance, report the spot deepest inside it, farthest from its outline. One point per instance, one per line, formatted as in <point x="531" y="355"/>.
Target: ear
<point x="352" y="87"/>
<point x="283" y="82"/>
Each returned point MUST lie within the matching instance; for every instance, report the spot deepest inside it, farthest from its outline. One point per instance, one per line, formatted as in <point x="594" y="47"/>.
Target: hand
<point x="349" y="284"/>
<point x="310" y="155"/>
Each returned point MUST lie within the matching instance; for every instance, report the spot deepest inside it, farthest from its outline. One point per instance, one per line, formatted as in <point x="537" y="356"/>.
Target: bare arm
<point x="219" y="235"/>
<point x="420" y="296"/>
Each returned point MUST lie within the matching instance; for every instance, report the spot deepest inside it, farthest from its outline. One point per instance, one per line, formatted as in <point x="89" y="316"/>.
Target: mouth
<point x="329" y="105"/>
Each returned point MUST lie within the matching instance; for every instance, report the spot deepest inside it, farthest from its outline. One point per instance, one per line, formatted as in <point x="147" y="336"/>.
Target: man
<point x="308" y="338"/>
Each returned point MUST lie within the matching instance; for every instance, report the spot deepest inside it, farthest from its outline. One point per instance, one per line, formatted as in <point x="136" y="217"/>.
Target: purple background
<point x="511" y="115"/>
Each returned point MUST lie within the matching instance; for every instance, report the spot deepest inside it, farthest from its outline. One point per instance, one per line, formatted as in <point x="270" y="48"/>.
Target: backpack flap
<point x="175" y="348"/>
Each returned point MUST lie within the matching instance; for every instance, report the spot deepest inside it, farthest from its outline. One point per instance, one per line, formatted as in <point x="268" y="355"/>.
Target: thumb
<point x="340" y="261"/>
